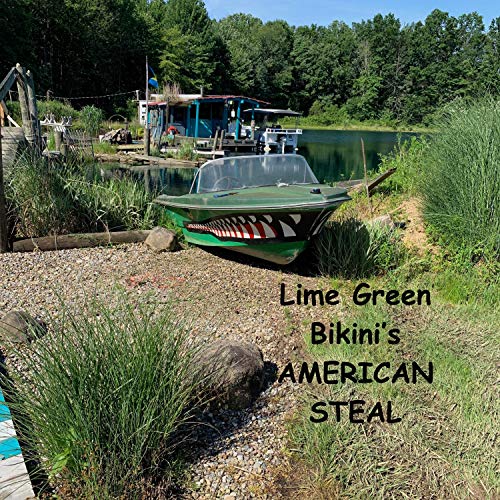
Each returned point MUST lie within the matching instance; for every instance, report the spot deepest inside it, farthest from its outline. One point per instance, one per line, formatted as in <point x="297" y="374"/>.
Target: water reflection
<point x="336" y="154"/>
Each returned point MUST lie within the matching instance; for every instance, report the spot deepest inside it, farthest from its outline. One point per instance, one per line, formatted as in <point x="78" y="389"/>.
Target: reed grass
<point x="461" y="183"/>
<point x="349" y="248"/>
<point x="46" y="199"/>
<point x="103" y="399"/>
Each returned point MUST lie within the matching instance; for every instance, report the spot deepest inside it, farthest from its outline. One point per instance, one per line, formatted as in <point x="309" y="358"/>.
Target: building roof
<point x="187" y="99"/>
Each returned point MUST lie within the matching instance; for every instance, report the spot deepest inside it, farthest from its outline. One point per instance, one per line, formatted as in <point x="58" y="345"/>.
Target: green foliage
<point x="461" y="185"/>
<point x="56" y="199"/>
<point x="408" y="160"/>
<point x="91" y="118"/>
<point x="375" y="69"/>
<point x="326" y="114"/>
<point x="114" y="384"/>
<point x="350" y="249"/>
<point x="57" y="108"/>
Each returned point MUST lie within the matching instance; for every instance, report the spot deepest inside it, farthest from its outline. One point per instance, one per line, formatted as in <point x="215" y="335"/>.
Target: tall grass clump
<point x="112" y="203"/>
<point x="39" y="203"/>
<point x="461" y="185"/>
<point x="408" y="160"/>
<point x="104" y="399"/>
<point x="46" y="199"/>
<point x="91" y="118"/>
<point x="348" y="248"/>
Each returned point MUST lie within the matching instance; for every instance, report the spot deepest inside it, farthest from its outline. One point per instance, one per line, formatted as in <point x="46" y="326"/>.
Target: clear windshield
<point x="241" y="172"/>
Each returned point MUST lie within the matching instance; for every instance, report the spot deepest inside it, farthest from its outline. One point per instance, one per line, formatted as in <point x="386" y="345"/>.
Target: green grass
<point x="312" y="123"/>
<point x="105" y="147"/>
<point x="444" y="446"/>
<point x="461" y="183"/>
<point x="47" y="199"/>
<point x="103" y="399"/>
<point x="349" y="248"/>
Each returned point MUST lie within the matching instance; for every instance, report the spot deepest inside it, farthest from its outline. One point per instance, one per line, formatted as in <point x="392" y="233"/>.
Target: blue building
<point x="198" y="115"/>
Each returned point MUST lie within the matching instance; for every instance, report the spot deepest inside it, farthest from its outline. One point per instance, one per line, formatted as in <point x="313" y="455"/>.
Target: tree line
<point x="377" y="69"/>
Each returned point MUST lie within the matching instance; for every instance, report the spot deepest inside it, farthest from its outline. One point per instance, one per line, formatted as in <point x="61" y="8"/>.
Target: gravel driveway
<point x="227" y="298"/>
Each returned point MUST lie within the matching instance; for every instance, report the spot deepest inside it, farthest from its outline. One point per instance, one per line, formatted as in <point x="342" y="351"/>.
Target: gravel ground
<point x="228" y="298"/>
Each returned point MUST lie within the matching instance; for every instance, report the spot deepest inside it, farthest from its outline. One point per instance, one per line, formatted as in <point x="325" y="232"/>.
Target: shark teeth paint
<point x="249" y="227"/>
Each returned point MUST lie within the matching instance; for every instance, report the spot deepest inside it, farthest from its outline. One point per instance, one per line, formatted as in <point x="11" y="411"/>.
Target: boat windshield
<point x="240" y="172"/>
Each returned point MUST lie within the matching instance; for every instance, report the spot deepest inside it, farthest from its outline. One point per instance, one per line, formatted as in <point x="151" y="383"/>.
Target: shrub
<point x="408" y="160"/>
<point x="91" y="118"/>
<point x="186" y="151"/>
<point x="461" y="184"/>
<point x="348" y="248"/>
<point x="101" y="399"/>
<point x="57" y="108"/>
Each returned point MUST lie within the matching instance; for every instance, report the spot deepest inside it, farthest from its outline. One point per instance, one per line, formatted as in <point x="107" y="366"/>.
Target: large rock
<point x="19" y="326"/>
<point x="161" y="240"/>
<point x="234" y="371"/>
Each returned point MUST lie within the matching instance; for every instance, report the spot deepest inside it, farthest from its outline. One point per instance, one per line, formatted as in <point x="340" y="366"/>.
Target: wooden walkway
<point x="15" y="482"/>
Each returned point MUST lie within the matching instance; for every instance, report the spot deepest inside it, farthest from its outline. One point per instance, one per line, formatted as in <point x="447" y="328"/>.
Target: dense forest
<point x="376" y="69"/>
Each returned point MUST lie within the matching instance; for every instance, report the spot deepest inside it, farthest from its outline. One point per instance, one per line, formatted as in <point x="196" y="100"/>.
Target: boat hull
<point x="277" y="236"/>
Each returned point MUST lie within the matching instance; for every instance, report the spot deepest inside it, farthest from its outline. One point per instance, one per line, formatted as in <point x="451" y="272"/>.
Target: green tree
<point x="192" y="52"/>
<point x="239" y="33"/>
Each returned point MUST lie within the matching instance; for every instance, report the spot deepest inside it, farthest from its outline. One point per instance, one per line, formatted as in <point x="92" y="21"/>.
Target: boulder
<point x="19" y="326"/>
<point x="234" y="372"/>
<point x="161" y="240"/>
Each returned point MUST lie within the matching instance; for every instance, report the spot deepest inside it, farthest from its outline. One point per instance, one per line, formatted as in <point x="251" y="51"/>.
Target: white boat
<point x="270" y="135"/>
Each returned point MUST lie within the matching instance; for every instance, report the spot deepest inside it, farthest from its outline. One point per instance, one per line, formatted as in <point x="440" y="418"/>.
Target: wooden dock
<point x="166" y="162"/>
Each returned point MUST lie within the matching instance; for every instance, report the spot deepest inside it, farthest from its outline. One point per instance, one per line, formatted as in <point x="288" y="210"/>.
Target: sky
<point x="306" y="12"/>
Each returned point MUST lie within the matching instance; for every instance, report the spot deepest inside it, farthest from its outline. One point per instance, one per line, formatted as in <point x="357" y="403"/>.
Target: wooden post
<point x="32" y="107"/>
<point x="147" y="137"/>
<point x="222" y="134"/>
<point x="23" y="104"/>
<point x="58" y="136"/>
<point x="366" y="177"/>
<point x="214" y="147"/>
<point x="3" y="208"/>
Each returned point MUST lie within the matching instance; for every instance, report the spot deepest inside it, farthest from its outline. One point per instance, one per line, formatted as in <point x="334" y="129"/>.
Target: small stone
<point x="161" y="240"/>
<point x="19" y="326"/>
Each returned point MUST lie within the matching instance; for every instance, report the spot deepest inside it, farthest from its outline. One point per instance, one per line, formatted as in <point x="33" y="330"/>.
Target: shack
<point x="198" y="115"/>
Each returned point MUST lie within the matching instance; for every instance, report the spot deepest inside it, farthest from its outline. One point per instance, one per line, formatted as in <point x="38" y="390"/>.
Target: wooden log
<point x="79" y="240"/>
<point x="373" y="184"/>
<point x="172" y="162"/>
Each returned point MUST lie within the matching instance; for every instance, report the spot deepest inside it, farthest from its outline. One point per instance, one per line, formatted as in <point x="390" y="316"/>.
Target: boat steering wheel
<point x="229" y="181"/>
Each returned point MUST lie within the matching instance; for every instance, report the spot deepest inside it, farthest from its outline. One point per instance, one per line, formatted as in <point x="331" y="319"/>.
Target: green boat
<point x="267" y="206"/>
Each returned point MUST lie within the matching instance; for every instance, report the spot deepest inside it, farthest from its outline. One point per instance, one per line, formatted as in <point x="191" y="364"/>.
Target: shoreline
<point x="363" y="128"/>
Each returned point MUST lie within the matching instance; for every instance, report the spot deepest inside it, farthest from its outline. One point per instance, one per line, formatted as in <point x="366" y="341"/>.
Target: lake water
<point x="336" y="154"/>
<point x="333" y="155"/>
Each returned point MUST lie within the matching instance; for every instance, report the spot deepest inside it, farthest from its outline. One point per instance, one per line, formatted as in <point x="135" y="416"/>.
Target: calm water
<point x="336" y="154"/>
<point x="333" y="155"/>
